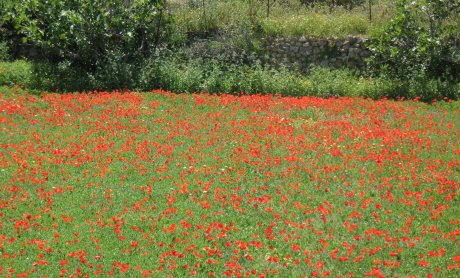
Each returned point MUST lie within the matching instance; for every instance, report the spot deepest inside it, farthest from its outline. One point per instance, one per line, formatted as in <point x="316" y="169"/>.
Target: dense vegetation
<point x="85" y="45"/>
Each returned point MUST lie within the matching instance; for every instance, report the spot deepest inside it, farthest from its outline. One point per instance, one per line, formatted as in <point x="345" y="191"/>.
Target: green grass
<point x="286" y="20"/>
<point x="16" y="72"/>
<point x="172" y="73"/>
<point x="195" y="76"/>
<point x="160" y="184"/>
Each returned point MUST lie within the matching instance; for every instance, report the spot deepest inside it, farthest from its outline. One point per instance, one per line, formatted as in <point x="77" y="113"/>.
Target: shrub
<point x="416" y="41"/>
<point x="61" y="76"/>
<point x="17" y="72"/>
<point x="103" y="39"/>
<point x="4" y="38"/>
<point x="4" y="51"/>
<point x="172" y="73"/>
<point x="178" y="75"/>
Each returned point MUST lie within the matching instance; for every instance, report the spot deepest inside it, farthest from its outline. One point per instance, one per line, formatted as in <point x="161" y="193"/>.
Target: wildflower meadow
<point x="158" y="184"/>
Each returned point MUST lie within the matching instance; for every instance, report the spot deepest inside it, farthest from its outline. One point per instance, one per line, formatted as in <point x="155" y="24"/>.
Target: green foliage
<point x="5" y="32"/>
<point x="287" y="18"/>
<point x="230" y="46"/>
<point x="85" y="31"/>
<point x="338" y="24"/>
<point x="175" y="74"/>
<point x="93" y="36"/>
<point x="17" y="72"/>
<point x="4" y="51"/>
<point x="349" y="4"/>
<point x="64" y="76"/>
<point x="4" y="7"/>
<point x="416" y="41"/>
<point x="428" y="89"/>
<point x="61" y="76"/>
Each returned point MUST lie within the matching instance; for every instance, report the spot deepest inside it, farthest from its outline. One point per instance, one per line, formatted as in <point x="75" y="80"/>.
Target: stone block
<point x="352" y="39"/>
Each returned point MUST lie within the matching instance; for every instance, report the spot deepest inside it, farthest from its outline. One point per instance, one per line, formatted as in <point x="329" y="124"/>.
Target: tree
<point x="86" y="32"/>
<point x="418" y="41"/>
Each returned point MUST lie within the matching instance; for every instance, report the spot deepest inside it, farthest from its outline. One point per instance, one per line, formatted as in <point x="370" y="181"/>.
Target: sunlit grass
<point x="285" y="20"/>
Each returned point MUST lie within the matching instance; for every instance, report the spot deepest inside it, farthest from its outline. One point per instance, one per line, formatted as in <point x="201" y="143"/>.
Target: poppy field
<point x="158" y="184"/>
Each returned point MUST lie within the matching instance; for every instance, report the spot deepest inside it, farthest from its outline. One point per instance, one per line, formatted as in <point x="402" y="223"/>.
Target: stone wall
<point x="304" y="52"/>
<point x="296" y="53"/>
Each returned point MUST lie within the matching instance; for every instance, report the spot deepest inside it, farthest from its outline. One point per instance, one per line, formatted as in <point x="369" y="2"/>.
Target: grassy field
<point x="284" y="18"/>
<point x="165" y="185"/>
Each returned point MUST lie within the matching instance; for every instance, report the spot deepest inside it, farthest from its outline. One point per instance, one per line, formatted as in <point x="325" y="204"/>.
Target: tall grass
<point x="286" y="18"/>
<point x="17" y="72"/>
<point x="177" y="75"/>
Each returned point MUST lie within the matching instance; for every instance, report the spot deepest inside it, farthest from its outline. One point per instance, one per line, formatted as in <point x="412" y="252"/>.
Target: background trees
<point x="96" y="37"/>
<point x="421" y="40"/>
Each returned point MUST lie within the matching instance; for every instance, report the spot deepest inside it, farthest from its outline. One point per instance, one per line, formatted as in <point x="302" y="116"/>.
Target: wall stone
<point x="298" y="53"/>
<point x="304" y="52"/>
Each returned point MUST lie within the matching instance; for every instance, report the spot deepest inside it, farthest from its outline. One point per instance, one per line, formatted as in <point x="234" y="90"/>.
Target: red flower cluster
<point x="166" y="185"/>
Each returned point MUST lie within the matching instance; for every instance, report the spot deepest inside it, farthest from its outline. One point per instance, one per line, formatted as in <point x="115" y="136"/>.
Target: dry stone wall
<point x="296" y="53"/>
<point x="304" y="52"/>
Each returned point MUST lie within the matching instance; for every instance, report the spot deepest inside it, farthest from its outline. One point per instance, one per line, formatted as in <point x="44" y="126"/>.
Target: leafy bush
<point x="17" y="72"/>
<point x="103" y="39"/>
<point x="4" y="51"/>
<point x="83" y="32"/>
<point x="4" y="32"/>
<point x="60" y="76"/>
<point x="416" y="42"/>
<point x="172" y="73"/>
<point x="177" y="75"/>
